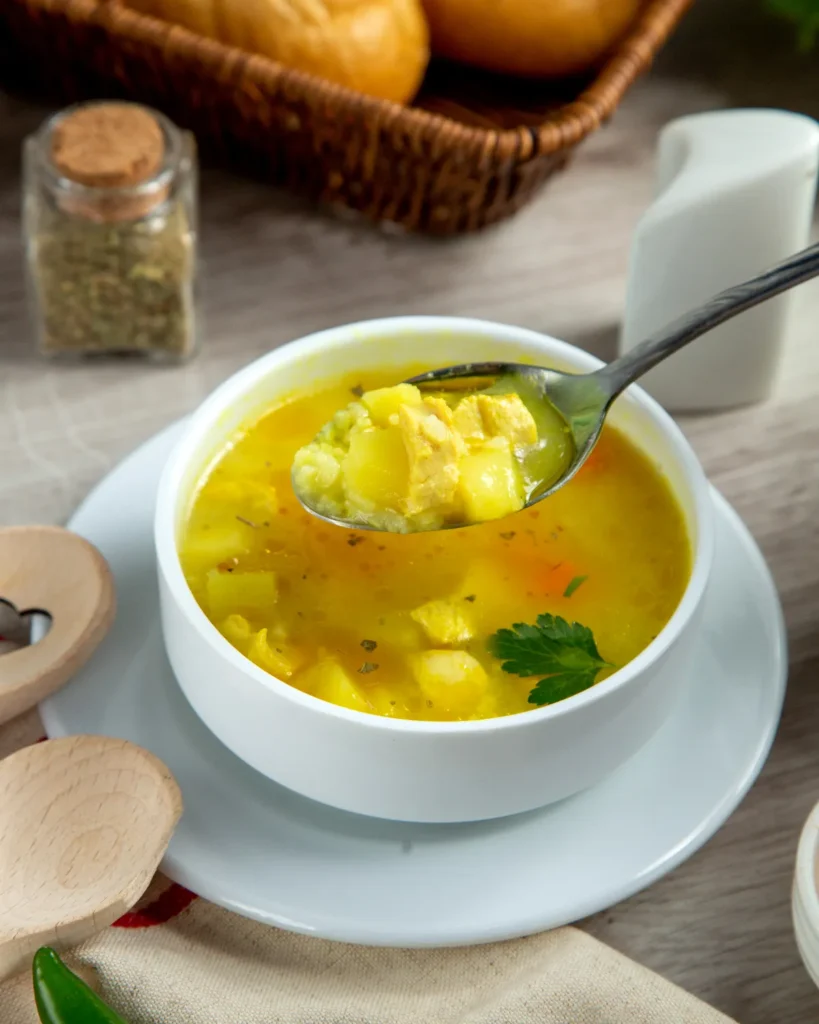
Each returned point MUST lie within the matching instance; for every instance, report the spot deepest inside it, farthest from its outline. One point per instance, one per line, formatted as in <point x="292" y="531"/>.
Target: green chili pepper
<point x="63" y="998"/>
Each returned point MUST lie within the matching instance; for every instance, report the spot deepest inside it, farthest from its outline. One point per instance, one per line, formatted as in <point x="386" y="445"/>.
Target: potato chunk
<point x="207" y="545"/>
<point x="433" y="450"/>
<point x="253" y="498"/>
<point x="507" y="416"/>
<point x="490" y="484"/>
<point x="383" y="404"/>
<point x="389" y="702"/>
<point x="329" y="681"/>
<point x="444" y="622"/>
<point x="453" y="681"/>
<point x="467" y="420"/>
<point x="376" y="469"/>
<point x="254" y="593"/>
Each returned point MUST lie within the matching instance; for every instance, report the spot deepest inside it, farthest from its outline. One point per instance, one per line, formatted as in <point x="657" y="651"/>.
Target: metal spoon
<point x="583" y="400"/>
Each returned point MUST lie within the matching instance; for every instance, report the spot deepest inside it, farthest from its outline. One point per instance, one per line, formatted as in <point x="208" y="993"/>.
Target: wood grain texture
<point x="47" y="567"/>
<point x="84" y="823"/>
<point x="274" y="269"/>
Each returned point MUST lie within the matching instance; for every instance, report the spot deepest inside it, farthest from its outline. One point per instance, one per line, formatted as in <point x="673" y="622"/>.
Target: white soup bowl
<point x="407" y="770"/>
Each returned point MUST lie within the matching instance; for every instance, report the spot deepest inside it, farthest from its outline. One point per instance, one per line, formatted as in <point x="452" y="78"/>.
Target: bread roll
<point x="535" y="38"/>
<point x="378" y="47"/>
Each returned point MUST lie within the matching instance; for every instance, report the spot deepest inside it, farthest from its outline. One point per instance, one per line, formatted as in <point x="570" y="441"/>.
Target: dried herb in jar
<point x="111" y="239"/>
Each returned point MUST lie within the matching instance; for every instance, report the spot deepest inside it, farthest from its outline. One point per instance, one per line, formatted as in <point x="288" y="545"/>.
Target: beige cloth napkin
<point x="179" y="960"/>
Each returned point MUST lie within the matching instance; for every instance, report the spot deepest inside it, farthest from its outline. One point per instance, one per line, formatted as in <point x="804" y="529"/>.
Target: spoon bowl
<point x="583" y="400"/>
<point x="84" y="824"/>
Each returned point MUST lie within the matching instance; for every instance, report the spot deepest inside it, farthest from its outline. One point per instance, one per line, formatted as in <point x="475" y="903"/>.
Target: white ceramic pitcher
<point x="735" y="194"/>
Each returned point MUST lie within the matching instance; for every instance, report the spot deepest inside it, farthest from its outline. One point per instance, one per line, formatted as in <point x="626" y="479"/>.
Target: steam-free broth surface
<point x="399" y="625"/>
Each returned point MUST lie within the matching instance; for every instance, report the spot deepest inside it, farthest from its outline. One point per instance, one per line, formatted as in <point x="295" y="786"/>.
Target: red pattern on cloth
<point x="166" y="906"/>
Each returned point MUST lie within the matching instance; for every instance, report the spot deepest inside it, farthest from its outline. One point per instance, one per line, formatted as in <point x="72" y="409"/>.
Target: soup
<point x="402" y="460"/>
<point x="419" y="626"/>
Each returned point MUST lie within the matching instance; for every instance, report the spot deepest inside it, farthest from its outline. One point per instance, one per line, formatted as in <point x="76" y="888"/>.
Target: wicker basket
<point x="472" y="149"/>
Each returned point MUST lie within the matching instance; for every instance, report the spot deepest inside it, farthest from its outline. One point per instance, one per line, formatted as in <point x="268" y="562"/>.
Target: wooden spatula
<point x="48" y="569"/>
<point x="84" y="820"/>
<point x="84" y="823"/>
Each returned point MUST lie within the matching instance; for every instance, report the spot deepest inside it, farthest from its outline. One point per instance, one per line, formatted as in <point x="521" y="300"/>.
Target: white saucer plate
<point x="264" y="852"/>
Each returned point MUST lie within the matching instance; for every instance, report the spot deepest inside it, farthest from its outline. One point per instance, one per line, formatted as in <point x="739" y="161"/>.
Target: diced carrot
<point x="556" y="579"/>
<point x="594" y="463"/>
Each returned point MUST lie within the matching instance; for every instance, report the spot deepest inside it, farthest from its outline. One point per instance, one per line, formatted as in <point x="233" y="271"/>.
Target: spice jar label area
<point x="110" y="231"/>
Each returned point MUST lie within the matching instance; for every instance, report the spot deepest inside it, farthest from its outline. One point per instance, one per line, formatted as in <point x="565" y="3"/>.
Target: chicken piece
<point x="433" y="450"/>
<point x="453" y="681"/>
<point x="277" y="659"/>
<point x="467" y="420"/>
<point x="507" y="416"/>
<point x="444" y="622"/>
<point x="236" y="629"/>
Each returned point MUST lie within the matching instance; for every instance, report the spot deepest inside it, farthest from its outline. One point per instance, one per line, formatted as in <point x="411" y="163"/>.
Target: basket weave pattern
<point x="449" y="164"/>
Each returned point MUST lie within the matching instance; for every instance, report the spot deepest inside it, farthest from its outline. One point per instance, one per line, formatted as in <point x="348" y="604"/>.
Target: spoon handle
<point x="615" y="377"/>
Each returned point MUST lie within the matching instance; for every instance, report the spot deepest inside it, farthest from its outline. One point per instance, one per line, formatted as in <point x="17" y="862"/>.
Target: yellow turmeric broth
<point x="398" y="625"/>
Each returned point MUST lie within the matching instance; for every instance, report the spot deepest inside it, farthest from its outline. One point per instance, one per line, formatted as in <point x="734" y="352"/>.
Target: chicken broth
<point x="400" y="625"/>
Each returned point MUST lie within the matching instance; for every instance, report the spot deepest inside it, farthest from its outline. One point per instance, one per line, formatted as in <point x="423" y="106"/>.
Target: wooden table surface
<point x="275" y="269"/>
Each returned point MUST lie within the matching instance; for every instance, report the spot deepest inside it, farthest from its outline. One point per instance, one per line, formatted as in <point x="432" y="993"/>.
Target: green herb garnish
<point x="563" y="653"/>
<point x="578" y="581"/>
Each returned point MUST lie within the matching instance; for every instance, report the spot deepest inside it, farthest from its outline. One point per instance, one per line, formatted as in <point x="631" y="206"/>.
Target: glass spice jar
<point x="109" y="218"/>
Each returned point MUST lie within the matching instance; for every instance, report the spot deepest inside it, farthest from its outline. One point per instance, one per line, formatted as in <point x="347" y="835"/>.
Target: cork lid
<point x="110" y="146"/>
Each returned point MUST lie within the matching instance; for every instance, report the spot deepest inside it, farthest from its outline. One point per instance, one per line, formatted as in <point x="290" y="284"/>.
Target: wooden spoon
<point x="45" y="568"/>
<point x="84" y="823"/>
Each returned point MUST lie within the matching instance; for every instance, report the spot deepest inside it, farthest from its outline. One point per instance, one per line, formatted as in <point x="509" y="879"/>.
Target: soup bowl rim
<point x="239" y="385"/>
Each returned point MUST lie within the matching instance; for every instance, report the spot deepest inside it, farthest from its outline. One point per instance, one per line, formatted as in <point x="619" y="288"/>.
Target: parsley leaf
<point x="564" y="653"/>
